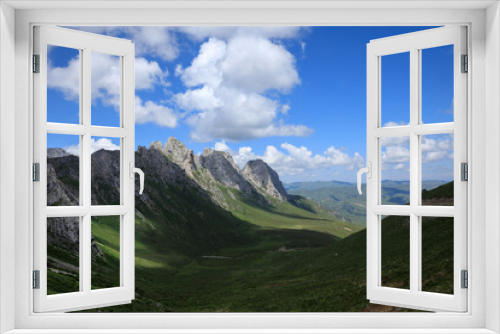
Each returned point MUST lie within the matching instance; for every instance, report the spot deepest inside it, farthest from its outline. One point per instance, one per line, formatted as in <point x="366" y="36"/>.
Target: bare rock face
<point x="263" y="177"/>
<point x="223" y="169"/>
<point x="56" y="153"/>
<point x="65" y="233"/>
<point x="178" y="153"/>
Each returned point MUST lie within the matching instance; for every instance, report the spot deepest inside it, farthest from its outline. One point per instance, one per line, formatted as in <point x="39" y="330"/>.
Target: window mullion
<point x="86" y="151"/>
<point x="414" y="170"/>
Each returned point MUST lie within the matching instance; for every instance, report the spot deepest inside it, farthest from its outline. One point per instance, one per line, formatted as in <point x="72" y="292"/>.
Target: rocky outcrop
<point x="178" y="153"/>
<point x="263" y="177"/>
<point x="65" y="233"/>
<point x="56" y="153"/>
<point x="223" y="169"/>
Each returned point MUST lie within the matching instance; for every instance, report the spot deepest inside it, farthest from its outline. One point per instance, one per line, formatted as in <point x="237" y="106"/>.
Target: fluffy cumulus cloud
<point x="437" y="148"/>
<point x="105" y="71"/>
<point x="152" y="112"/>
<point x="228" y="84"/>
<point x="95" y="145"/>
<point x="232" y="86"/>
<point x="294" y="160"/>
<point x="396" y="151"/>
<point x="157" y="42"/>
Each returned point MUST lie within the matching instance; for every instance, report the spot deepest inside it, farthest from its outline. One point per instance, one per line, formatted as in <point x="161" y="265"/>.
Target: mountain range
<point x="344" y="201"/>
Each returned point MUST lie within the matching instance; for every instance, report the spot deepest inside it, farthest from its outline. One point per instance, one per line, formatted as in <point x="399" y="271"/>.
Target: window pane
<point x="395" y="89"/>
<point x="63" y="258"/>
<point x="395" y="170"/>
<point x="395" y="251"/>
<point x="63" y="170"/>
<point x="63" y="85"/>
<point x="437" y="254"/>
<point x="105" y="252"/>
<point x="437" y="169"/>
<point x="105" y="171"/>
<point x="437" y="84"/>
<point x="106" y="81"/>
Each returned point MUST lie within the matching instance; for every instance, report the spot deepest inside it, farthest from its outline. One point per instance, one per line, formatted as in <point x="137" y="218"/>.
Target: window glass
<point x="63" y="85"/>
<point x="437" y="84"/>
<point x="63" y="170"/>
<point x="437" y="169"/>
<point x="106" y="238"/>
<point x="395" y="89"/>
<point x="106" y="89"/>
<point x="437" y="254"/>
<point x="63" y="255"/>
<point x="395" y="251"/>
<point x="395" y="170"/>
<point x="105" y="171"/>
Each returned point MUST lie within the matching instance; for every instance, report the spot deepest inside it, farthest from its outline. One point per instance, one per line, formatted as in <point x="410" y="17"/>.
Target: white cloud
<point x="105" y="71"/>
<point x="294" y="160"/>
<point x="437" y="148"/>
<point x="151" y="112"/>
<point x="396" y="150"/>
<point x="201" y="33"/>
<point x="226" y="84"/>
<point x="395" y="154"/>
<point x="206" y="69"/>
<point x="157" y="41"/>
<point x="257" y="65"/>
<point x="202" y="99"/>
<point x="221" y="146"/>
<point x="392" y="124"/>
<point x="154" y="41"/>
<point x="148" y="74"/>
<point x="65" y="79"/>
<point x="95" y="145"/>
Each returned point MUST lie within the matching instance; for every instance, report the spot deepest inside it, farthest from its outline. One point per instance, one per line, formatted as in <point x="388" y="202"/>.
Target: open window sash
<point x="415" y="297"/>
<point x="85" y="297"/>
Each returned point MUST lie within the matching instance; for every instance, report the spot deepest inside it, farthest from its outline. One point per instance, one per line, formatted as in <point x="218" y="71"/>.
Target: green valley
<point x="212" y="238"/>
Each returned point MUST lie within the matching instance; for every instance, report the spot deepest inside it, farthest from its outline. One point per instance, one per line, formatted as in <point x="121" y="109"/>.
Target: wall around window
<point x="7" y="168"/>
<point x="477" y="125"/>
<point x="492" y="163"/>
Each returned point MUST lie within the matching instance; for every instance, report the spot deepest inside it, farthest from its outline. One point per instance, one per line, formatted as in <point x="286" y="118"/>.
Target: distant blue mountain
<point x="343" y="199"/>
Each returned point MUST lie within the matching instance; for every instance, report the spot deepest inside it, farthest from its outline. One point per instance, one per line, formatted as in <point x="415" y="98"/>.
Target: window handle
<point x="133" y="170"/>
<point x="368" y="171"/>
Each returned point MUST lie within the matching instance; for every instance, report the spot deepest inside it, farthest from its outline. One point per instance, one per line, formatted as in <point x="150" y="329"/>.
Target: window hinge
<point x="465" y="279"/>
<point x="36" y="172"/>
<point x="36" y="63"/>
<point x="464" y="171"/>
<point x="36" y="279"/>
<point x="465" y="64"/>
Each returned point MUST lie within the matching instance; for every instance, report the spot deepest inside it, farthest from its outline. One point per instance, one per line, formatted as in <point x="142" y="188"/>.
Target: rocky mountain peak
<point x="178" y="153"/>
<point x="56" y="153"/>
<point x="210" y="152"/>
<point x="157" y="145"/>
<point x="222" y="168"/>
<point x="258" y="173"/>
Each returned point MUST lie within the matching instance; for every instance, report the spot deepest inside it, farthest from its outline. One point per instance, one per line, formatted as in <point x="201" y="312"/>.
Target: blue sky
<point x="293" y="96"/>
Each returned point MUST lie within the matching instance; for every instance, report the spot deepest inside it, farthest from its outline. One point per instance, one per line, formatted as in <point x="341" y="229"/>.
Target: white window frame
<point x="414" y="43"/>
<point x="483" y="212"/>
<point x="86" y="43"/>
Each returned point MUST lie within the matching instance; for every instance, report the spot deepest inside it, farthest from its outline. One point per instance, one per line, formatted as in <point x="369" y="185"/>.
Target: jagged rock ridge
<point x="264" y="177"/>
<point x="172" y="165"/>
